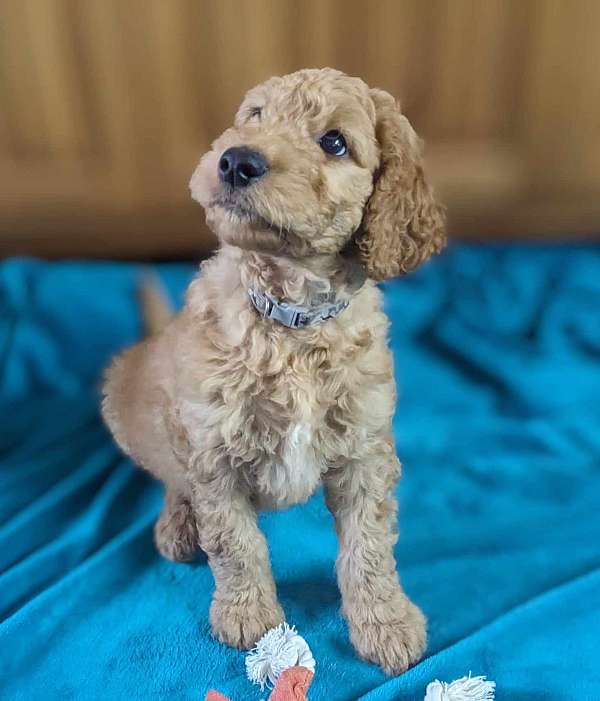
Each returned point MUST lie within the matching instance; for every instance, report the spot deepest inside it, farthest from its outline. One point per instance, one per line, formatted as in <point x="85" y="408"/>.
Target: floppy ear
<point x="402" y="225"/>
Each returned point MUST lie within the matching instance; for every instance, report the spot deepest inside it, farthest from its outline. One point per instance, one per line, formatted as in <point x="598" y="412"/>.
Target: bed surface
<point x="497" y="353"/>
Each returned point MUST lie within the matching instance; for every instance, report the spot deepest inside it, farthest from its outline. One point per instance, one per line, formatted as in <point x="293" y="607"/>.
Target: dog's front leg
<point x="385" y="626"/>
<point x="244" y="604"/>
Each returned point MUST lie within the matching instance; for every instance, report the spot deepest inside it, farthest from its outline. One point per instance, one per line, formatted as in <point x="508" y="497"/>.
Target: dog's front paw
<point x="241" y="624"/>
<point x="392" y="633"/>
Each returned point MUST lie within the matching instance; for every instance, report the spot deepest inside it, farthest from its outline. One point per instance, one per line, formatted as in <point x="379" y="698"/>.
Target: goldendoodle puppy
<point x="276" y="376"/>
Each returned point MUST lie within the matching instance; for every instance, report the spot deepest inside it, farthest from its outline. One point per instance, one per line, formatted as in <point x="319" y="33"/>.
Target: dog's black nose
<point x="239" y="166"/>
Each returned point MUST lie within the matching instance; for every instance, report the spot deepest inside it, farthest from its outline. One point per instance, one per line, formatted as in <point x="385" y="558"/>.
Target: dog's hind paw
<point x="175" y="532"/>
<point x="241" y="624"/>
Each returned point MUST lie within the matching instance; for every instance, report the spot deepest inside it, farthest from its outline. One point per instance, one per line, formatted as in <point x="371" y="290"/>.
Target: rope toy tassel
<point x="278" y="649"/>
<point x="464" y="689"/>
<point x="282" y="648"/>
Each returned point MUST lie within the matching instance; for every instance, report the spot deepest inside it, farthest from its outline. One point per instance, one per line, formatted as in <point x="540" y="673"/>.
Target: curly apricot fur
<point x="234" y="412"/>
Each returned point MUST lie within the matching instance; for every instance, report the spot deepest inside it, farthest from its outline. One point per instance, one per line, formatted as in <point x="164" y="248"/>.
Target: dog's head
<point x="314" y="161"/>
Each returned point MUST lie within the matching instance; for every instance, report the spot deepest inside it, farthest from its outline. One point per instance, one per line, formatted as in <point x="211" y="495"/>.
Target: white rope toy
<point x="464" y="689"/>
<point x="281" y="648"/>
<point x="278" y="649"/>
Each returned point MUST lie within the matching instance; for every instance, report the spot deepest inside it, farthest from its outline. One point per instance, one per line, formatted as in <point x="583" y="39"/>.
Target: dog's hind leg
<point x="176" y="531"/>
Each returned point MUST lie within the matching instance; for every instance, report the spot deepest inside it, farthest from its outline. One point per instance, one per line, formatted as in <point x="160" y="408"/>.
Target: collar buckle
<point x="294" y="316"/>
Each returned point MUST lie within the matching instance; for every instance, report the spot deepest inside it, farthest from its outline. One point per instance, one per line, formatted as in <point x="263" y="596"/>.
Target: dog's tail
<point x="157" y="310"/>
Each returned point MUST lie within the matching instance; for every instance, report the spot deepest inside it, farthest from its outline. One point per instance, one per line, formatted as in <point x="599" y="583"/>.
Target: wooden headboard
<point x="106" y="106"/>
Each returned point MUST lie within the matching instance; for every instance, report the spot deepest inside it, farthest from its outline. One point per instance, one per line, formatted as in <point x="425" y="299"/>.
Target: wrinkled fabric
<point x="497" y="356"/>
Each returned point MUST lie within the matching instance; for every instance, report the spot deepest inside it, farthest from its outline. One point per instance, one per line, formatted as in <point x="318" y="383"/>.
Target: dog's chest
<point x="293" y="473"/>
<point x="287" y="442"/>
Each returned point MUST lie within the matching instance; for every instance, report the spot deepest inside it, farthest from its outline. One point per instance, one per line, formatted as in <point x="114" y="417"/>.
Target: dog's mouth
<point x="241" y="211"/>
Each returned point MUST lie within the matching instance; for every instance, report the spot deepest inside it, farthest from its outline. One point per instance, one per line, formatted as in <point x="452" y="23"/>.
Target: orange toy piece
<point x="292" y="685"/>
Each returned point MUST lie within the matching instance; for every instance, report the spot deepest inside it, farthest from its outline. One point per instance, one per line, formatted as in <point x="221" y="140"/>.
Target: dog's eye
<point x="333" y="142"/>
<point x="255" y="113"/>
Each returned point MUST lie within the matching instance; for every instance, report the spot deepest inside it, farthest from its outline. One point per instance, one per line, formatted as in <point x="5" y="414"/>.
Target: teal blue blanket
<point x="498" y="426"/>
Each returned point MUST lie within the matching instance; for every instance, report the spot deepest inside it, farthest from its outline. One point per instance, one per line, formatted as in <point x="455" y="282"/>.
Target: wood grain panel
<point x="106" y="106"/>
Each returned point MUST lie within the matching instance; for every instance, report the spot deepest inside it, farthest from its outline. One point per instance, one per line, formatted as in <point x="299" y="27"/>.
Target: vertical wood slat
<point x="588" y="102"/>
<point x="109" y="73"/>
<point x="24" y="114"/>
<point x="266" y="52"/>
<point x="562" y="97"/>
<point x="55" y="65"/>
<point x="490" y="40"/>
<point x="450" y="22"/>
<point x="390" y="39"/>
<point x="313" y="44"/>
<point x="137" y="46"/>
<point x="173" y="80"/>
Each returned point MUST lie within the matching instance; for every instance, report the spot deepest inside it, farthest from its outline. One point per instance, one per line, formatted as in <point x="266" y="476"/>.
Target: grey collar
<point x="294" y="316"/>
